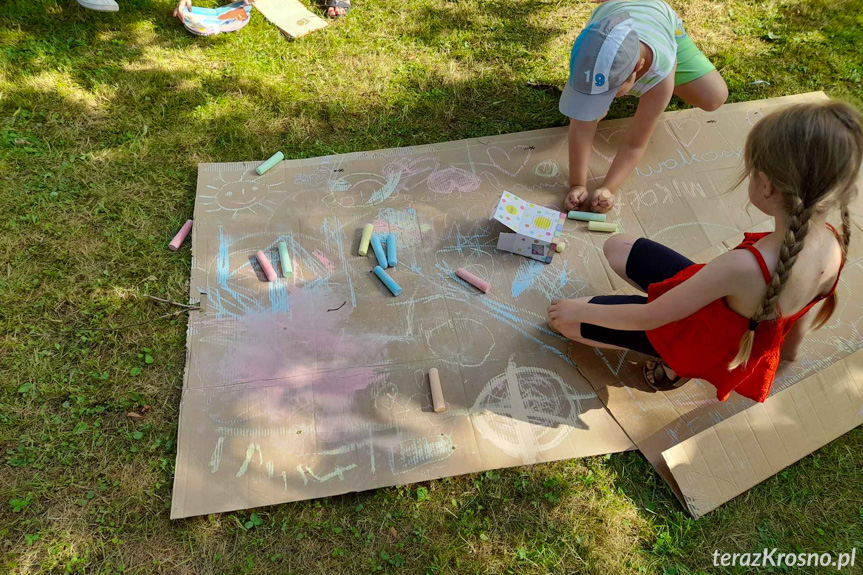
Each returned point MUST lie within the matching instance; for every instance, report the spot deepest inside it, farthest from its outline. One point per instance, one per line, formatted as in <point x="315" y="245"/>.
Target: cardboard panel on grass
<point x="316" y="384"/>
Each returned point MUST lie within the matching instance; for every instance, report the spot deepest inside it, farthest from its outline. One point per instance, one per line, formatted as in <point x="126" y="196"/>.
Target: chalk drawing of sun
<point x="240" y="193"/>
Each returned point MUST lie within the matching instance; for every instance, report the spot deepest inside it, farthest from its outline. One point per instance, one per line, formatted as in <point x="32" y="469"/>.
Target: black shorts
<point x="648" y="263"/>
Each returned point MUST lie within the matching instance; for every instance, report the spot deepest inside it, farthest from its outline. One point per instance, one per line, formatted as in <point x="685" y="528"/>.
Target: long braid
<point x="792" y="244"/>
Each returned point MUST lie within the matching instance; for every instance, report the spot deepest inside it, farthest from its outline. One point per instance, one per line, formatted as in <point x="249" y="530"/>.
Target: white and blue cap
<point x="603" y="57"/>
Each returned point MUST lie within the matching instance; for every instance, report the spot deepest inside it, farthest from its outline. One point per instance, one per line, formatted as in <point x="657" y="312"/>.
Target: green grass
<point x="103" y="119"/>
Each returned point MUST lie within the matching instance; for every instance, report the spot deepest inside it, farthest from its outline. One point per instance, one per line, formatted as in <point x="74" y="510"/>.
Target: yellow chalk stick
<point x="560" y="247"/>
<point x="610" y="227"/>
<point x="436" y="391"/>
<point x="368" y="230"/>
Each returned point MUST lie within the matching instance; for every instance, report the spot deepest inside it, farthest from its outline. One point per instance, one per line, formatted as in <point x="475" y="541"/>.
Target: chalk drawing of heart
<point x="499" y="159"/>
<point x="451" y="180"/>
<point x="683" y="129"/>
<point x="607" y="141"/>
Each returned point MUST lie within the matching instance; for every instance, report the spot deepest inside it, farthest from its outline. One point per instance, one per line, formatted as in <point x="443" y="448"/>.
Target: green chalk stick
<point x="275" y="159"/>
<point x="285" y="259"/>
<point x="586" y="216"/>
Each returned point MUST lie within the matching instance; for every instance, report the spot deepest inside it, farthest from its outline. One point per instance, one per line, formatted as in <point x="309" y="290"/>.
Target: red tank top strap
<point x="760" y="259"/>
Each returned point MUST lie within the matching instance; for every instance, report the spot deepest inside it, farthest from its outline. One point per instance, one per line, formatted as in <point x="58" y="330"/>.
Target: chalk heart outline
<point x="678" y="128"/>
<point x="607" y="139"/>
<point x="495" y="154"/>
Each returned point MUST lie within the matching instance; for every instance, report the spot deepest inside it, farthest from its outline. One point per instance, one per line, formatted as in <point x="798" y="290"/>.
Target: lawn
<point x="103" y="120"/>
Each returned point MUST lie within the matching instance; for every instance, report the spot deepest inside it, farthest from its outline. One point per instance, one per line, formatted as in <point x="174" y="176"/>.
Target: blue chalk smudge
<point x="527" y="273"/>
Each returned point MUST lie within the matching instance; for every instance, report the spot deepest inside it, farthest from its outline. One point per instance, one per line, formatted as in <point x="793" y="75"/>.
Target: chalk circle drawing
<point x="547" y="169"/>
<point x="475" y="341"/>
<point x="243" y="192"/>
<point x="527" y="410"/>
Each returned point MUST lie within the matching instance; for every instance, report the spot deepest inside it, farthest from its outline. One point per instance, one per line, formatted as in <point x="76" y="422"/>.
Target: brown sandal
<point x="656" y="376"/>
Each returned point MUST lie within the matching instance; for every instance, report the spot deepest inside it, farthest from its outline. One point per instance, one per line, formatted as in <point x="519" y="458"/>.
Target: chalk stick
<point x="388" y="281"/>
<point x="285" y="260"/>
<point x="586" y="216"/>
<point x="379" y="252"/>
<point x="274" y="159"/>
<point x="602" y="226"/>
<point x="181" y="236"/>
<point x="391" y="250"/>
<point x="605" y="195"/>
<point x="560" y="247"/>
<point x="266" y="266"/>
<point x="473" y="280"/>
<point x="368" y="230"/>
<point x="437" y="393"/>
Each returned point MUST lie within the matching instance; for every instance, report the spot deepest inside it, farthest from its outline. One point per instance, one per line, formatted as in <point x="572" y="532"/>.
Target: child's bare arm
<point x="580" y="145"/>
<point x="791" y="345"/>
<point x="637" y="136"/>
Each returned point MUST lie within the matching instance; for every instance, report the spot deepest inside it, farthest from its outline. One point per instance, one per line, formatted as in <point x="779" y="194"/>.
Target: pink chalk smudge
<point x="324" y="260"/>
<point x="451" y="180"/>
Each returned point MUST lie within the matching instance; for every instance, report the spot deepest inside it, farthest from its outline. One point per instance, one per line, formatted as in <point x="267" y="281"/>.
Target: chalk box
<point x="537" y="228"/>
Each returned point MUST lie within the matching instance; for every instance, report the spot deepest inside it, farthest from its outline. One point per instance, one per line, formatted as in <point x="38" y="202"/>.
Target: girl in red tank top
<point x="722" y="322"/>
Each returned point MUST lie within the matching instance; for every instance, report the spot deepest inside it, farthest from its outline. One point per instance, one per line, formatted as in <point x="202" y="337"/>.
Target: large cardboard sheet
<point x="317" y="385"/>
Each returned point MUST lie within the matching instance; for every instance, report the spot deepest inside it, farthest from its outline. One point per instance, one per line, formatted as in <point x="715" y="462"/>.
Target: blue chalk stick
<point x="379" y="252"/>
<point x="391" y="250"/>
<point x="388" y="281"/>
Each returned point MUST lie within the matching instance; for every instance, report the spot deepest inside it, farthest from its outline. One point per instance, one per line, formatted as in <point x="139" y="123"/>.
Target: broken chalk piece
<point x="274" y="159"/>
<point x="605" y="195"/>
<point x="368" y="230"/>
<point x="379" y="252"/>
<point x="586" y="216"/>
<point x="285" y="260"/>
<point x="388" y="281"/>
<point x="473" y="280"/>
<point x="266" y="266"/>
<point x="181" y="236"/>
<point x="391" y="250"/>
<point x="437" y="393"/>
<point x="560" y="247"/>
<point x="602" y="226"/>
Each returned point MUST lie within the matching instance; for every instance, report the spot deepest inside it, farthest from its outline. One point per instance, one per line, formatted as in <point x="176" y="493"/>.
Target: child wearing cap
<point x="635" y="47"/>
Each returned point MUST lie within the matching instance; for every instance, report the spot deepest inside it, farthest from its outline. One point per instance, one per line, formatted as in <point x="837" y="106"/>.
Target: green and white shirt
<point x="658" y="26"/>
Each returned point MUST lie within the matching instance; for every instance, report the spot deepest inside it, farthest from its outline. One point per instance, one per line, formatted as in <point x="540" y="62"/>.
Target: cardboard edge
<point x="697" y="464"/>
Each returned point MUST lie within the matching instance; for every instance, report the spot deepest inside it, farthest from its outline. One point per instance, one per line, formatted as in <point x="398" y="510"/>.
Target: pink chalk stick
<point x="266" y="266"/>
<point x="181" y="236"/>
<point x="476" y="282"/>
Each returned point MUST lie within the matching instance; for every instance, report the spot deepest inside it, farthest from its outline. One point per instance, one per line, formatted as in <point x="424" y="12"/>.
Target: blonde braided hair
<point x="811" y="154"/>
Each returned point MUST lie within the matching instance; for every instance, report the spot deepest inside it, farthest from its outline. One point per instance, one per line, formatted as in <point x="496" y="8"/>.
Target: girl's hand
<point x="566" y="315"/>
<point x="182" y="5"/>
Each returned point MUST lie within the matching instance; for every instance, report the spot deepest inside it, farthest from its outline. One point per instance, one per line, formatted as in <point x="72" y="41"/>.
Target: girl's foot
<point x="337" y="8"/>
<point x="563" y="317"/>
<point x="660" y="377"/>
